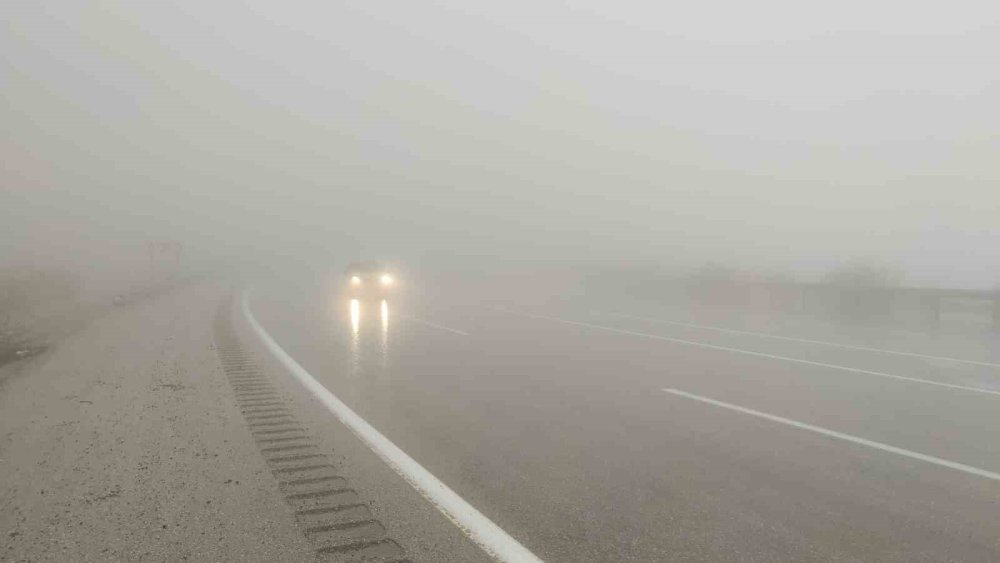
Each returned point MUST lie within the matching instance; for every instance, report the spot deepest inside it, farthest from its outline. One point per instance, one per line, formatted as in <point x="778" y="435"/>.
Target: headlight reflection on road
<point x="355" y="317"/>
<point x="357" y="350"/>
<point x="385" y="334"/>
<point x="355" y="338"/>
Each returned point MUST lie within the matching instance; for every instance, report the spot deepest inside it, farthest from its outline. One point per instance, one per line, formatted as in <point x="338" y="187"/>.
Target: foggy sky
<point x="774" y="134"/>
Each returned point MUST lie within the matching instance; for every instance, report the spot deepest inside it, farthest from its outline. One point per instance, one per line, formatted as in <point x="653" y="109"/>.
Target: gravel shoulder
<point x="124" y="442"/>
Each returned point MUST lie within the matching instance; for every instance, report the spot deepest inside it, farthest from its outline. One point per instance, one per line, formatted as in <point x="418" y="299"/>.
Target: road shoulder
<point x="424" y="533"/>
<point x="124" y="442"/>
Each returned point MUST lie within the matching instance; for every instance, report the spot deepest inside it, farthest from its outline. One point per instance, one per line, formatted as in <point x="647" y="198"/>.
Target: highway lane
<point x="958" y="340"/>
<point x="917" y="357"/>
<point x="560" y="433"/>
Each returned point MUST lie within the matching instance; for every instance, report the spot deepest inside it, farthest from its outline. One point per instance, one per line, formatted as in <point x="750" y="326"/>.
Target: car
<point x="370" y="280"/>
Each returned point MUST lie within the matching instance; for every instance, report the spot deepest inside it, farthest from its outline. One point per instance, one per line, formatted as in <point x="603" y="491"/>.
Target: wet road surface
<point x="553" y="421"/>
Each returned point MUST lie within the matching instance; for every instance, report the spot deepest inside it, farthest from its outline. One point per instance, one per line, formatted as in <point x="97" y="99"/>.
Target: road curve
<point x="560" y="433"/>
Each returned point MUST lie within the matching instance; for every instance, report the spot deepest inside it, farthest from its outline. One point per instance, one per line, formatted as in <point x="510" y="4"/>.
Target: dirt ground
<point x="123" y="442"/>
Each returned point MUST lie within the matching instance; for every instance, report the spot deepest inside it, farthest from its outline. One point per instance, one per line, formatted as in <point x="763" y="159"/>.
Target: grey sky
<point x="776" y="133"/>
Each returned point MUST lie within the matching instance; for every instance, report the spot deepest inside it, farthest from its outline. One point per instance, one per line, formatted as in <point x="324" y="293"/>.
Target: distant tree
<point x="864" y="274"/>
<point x="24" y="294"/>
<point x="14" y="302"/>
<point x="861" y="290"/>
<point x="718" y="284"/>
<point x="717" y="273"/>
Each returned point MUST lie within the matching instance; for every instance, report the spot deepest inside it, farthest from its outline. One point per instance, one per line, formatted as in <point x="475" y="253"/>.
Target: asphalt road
<point x="551" y="417"/>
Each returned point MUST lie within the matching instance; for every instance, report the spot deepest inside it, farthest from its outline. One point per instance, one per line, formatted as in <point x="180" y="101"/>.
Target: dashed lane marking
<point x="810" y="341"/>
<point x="842" y="436"/>
<point x="434" y="325"/>
<point x="752" y="353"/>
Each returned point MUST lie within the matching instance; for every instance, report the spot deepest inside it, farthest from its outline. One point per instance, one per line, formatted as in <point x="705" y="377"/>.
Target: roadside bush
<point x="29" y="296"/>
<point x="863" y="291"/>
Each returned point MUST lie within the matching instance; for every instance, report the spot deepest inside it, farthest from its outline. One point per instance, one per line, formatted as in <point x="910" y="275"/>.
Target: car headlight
<point x="386" y="279"/>
<point x="355" y="280"/>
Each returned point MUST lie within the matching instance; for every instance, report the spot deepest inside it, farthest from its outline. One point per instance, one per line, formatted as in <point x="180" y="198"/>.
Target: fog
<point x="778" y="136"/>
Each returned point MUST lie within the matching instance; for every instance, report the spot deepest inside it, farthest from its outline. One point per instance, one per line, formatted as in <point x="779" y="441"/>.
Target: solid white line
<point x="810" y="341"/>
<point x="487" y="535"/>
<point x="434" y="325"/>
<point x="757" y="354"/>
<point x="840" y="435"/>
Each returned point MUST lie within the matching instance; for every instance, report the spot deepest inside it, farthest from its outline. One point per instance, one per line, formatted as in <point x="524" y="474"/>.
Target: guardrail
<point x="932" y="307"/>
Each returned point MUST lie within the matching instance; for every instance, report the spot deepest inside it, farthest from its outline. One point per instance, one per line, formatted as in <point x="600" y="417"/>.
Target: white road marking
<point x="840" y="435"/>
<point x="480" y="529"/>
<point x="434" y="325"/>
<point x="757" y="354"/>
<point x="810" y="341"/>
